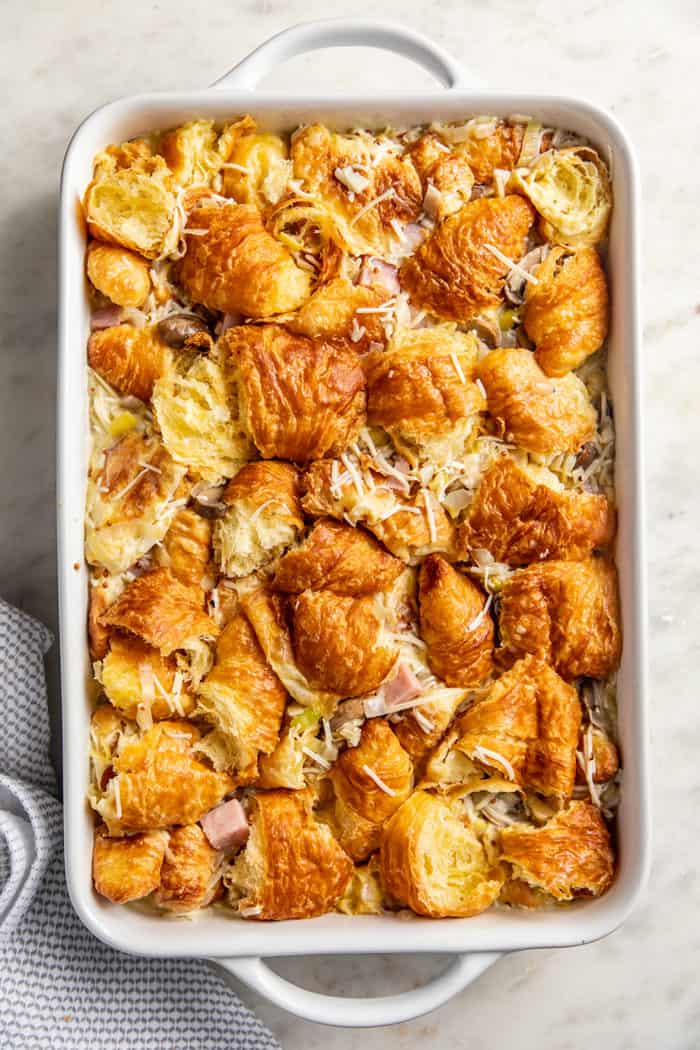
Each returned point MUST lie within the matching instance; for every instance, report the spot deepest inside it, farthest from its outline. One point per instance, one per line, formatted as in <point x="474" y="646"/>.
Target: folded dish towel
<point x="59" y="986"/>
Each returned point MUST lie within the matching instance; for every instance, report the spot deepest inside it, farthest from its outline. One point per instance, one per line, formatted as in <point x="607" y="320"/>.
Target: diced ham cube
<point x="376" y="271"/>
<point x="226" y="826"/>
<point x="401" y="689"/>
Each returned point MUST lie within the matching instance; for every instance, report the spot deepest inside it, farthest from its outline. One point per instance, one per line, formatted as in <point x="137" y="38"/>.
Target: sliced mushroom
<point x="207" y="500"/>
<point x="181" y="330"/>
<point x="515" y="285"/>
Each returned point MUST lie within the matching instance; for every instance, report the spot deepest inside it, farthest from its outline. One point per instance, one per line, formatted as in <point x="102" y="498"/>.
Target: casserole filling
<point x="353" y="607"/>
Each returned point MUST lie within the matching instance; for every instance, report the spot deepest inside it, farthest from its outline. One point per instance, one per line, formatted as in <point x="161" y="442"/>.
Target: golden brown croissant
<point x="411" y="536"/>
<point x="102" y="592"/>
<point x="518" y="894"/>
<point x="340" y="643"/>
<point x="566" y="312"/>
<point x="159" y="782"/>
<point x="444" y="170"/>
<point x="499" y="149"/>
<point x="237" y="266"/>
<point x="131" y="200"/>
<point x="292" y="867"/>
<point x="191" y="874"/>
<point x="127" y="869"/>
<point x="300" y="398"/>
<point x="433" y="863"/>
<point x="121" y="275"/>
<point x="421" y="390"/>
<point x="243" y="699"/>
<point x="360" y="806"/>
<point x="520" y="520"/>
<point x="262" y="519"/>
<point x="565" y="612"/>
<point x="269" y="615"/>
<point x="136" y="678"/>
<point x="570" y="856"/>
<point x="186" y="548"/>
<point x="526" y="727"/>
<point x="538" y="413"/>
<point x="129" y="358"/>
<point x="131" y="487"/>
<point x="162" y="610"/>
<point x="330" y="313"/>
<point x="364" y="894"/>
<point x="605" y="756"/>
<point x="419" y="735"/>
<point x="321" y="159"/>
<point x="454" y="273"/>
<point x="455" y="624"/>
<point x="336" y="557"/>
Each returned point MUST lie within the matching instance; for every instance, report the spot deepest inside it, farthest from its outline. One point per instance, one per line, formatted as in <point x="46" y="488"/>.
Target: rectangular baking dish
<point x="214" y="935"/>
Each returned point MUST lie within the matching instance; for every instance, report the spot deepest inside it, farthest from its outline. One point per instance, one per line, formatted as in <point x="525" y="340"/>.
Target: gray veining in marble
<point x="637" y="990"/>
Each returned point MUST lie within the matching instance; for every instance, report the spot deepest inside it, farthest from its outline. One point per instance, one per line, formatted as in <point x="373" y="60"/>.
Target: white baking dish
<point x="238" y="945"/>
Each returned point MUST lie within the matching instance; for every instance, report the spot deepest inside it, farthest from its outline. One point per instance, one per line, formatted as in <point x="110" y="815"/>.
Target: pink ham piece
<point x="376" y="271"/>
<point x="105" y="317"/>
<point x="414" y="234"/>
<point x="401" y="689"/>
<point x="226" y="826"/>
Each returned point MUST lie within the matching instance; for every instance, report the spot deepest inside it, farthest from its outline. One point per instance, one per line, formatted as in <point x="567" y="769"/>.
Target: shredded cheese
<point x="230" y="166"/>
<point x="425" y="724"/>
<point x="483" y="754"/>
<point x="315" y="757"/>
<point x="430" y="516"/>
<point x="357" y="331"/>
<point x="482" y="389"/>
<point x="378" y="781"/>
<point x="351" y="179"/>
<point x="250" y="912"/>
<point x="387" y="195"/>
<point x="134" y="481"/>
<point x="480" y="616"/>
<point x="117" y="797"/>
<point x="354" y="474"/>
<point x="457" y="367"/>
<point x="510" y="263"/>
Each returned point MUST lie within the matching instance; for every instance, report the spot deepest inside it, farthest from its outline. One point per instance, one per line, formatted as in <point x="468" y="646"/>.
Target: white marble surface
<point x="638" y="989"/>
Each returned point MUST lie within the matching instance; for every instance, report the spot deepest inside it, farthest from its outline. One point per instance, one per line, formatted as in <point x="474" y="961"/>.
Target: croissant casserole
<point x="353" y="608"/>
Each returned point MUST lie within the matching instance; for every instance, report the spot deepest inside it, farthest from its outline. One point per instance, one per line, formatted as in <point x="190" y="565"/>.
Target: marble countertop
<point x="638" y="988"/>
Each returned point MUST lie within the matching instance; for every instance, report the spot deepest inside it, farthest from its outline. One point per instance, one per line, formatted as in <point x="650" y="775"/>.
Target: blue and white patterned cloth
<point x="59" y="986"/>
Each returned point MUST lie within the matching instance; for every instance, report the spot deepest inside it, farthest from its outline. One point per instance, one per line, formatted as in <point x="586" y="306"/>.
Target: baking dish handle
<point x="345" y="32"/>
<point x="359" y="1013"/>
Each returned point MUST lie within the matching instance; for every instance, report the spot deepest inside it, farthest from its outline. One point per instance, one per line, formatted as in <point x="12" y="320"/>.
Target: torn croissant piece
<point x="432" y="862"/>
<point x="421" y="390"/>
<point x="243" y="699"/>
<point x="191" y="152"/>
<point x="518" y="894"/>
<point x="292" y="866"/>
<point x="127" y="869"/>
<point x="136" y="678"/>
<point x="370" y="782"/>
<point x="527" y="728"/>
<point x="236" y="266"/>
<point x="158" y="782"/>
<point x="300" y="398"/>
<point x="448" y="173"/>
<point x="131" y="200"/>
<point x="364" y="894"/>
<point x="129" y="358"/>
<point x="103" y="591"/>
<point x="133" y="490"/>
<point x="566" y="313"/>
<point x="572" y="192"/>
<point x="269" y="615"/>
<point x="330" y="313"/>
<point x="419" y="528"/>
<point x="162" y="610"/>
<point x="186" y="548"/>
<point x="191" y="874"/>
<point x="520" y="516"/>
<point x="485" y="153"/>
<point x="341" y="643"/>
<point x="336" y="557"/>
<point x="286" y="766"/>
<point x="566" y="612"/>
<point x="605" y="759"/>
<point x="455" y="624"/>
<point x="454" y="273"/>
<point x="570" y="856"/>
<point x="195" y="405"/>
<point x="121" y="275"/>
<point x="256" y="170"/>
<point x="263" y="517"/>
<point x="538" y="413"/>
<point x="360" y="185"/>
